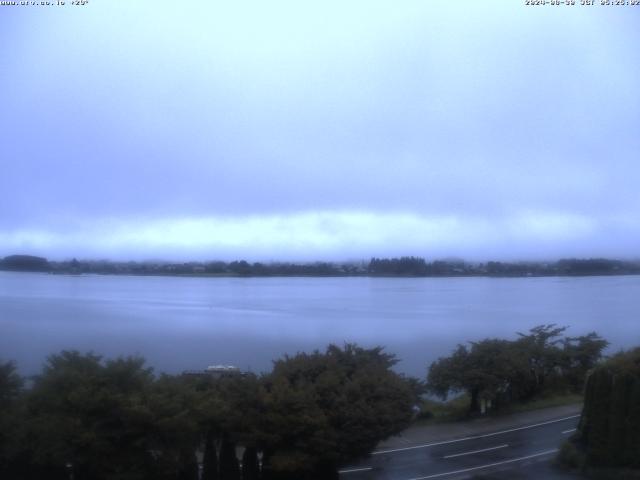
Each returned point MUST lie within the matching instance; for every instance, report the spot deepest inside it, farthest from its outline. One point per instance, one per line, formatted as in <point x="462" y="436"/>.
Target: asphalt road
<point x="523" y="452"/>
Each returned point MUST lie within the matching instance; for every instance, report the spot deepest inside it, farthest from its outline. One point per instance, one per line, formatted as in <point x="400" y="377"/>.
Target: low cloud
<point x="335" y="235"/>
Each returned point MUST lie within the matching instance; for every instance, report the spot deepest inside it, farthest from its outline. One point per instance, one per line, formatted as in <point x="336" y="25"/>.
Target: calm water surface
<point x="183" y="323"/>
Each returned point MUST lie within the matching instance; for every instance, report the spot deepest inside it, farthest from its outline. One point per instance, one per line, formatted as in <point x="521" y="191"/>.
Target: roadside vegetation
<point x="497" y="374"/>
<point x="457" y="408"/>
<point x="85" y="417"/>
<point x="607" y="441"/>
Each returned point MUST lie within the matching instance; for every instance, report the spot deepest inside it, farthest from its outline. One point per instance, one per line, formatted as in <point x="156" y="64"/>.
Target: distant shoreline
<point x="402" y="267"/>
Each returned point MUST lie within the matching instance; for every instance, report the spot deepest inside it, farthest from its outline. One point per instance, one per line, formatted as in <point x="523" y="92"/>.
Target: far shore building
<point x="216" y="371"/>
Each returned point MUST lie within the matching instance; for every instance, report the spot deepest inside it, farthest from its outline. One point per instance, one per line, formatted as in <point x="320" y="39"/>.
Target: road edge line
<point x="474" y="437"/>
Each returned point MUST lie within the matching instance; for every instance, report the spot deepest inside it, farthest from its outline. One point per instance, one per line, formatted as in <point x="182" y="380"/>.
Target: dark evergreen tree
<point x="597" y="431"/>
<point x="608" y="429"/>
<point x="619" y="406"/>
<point x="632" y="438"/>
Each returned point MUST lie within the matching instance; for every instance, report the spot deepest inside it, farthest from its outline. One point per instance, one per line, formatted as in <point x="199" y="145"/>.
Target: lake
<point x="189" y="323"/>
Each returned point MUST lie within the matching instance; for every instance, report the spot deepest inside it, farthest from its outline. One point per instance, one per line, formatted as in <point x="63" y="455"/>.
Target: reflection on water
<point x="181" y="323"/>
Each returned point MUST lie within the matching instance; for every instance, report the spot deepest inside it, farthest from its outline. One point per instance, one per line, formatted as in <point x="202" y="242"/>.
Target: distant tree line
<point x="25" y="263"/>
<point x="402" y="266"/>
<point x="84" y="417"/>
<point x="496" y="372"/>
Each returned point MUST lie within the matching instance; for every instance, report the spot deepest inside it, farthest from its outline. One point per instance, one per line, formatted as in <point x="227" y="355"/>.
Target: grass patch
<point x="457" y="409"/>
<point x="545" y="401"/>
<point x="433" y="411"/>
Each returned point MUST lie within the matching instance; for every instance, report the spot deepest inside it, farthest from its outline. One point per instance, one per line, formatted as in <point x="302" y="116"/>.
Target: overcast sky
<point x="319" y="130"/>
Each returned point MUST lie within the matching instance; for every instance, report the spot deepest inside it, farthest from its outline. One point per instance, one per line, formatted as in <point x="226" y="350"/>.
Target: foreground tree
<point x="229" y="465"/>
<point x="487" y="371"/>
<point x="503" y="371"/>
<point x="174" y="433"/>
<point x="541" y="347"/>
<point x="89" y="418"/>
<point x="210" y="459"/>
<point x="250" y="464"/>
<point x="229" y="412"/>
<point x="10" y="385"/>
<point x="322" y="409"/>
<point x="579" y="356"/>
<point x="187" y="465"/>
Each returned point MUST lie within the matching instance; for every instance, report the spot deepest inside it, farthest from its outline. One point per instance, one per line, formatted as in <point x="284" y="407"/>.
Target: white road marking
<point x="489" y="465"/>
<point x="476" y="451"/>
<point x="476" y="437"/>
<point x="569" y="431"/>
<point x="353" y="470"/>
